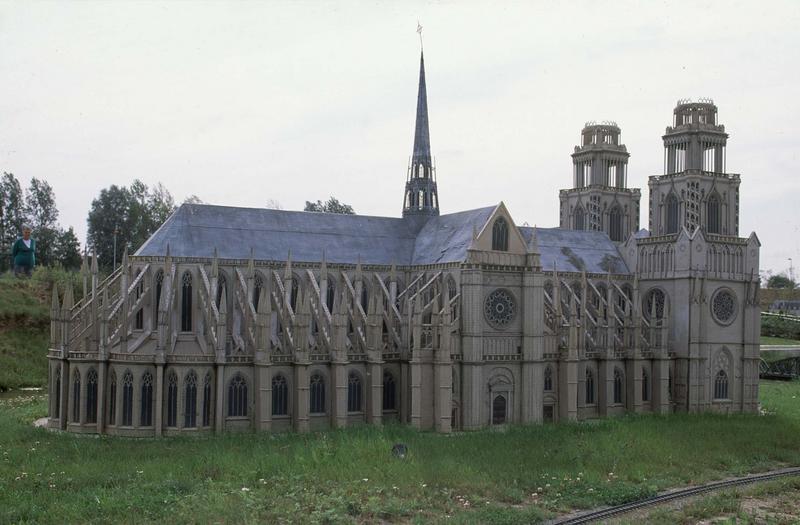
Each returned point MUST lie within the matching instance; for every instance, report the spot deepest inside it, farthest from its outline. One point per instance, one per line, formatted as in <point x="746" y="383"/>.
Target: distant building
<point x="257" y="319"/>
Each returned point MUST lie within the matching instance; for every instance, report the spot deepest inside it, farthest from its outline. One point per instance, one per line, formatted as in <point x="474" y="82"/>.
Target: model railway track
<point x="611" y="512"/>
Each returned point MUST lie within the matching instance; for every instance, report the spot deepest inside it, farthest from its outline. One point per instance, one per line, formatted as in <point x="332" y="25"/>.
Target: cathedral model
<point x="235" y="319"/>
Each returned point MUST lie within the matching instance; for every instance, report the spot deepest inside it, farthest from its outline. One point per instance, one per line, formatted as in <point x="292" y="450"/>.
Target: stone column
<point x="339" y="393"/>
<point x="263" y="398"/>
<point x="375" y="392"/>
<point x="301" y="404"/>
<point x="64" y="410"/>
<point x="219" y="413"/>
<point x="101" y="397"/>
<point x="158" y="401"/>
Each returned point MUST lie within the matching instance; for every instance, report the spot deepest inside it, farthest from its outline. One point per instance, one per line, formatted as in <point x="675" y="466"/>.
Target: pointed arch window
<point x="548" y="379"/>
<point x="713" y="214"/>
<point x="172" y="400"/>
<point x="112" y="399"/>
<point x="589" y="387"/>
<point x="258" y="287"/>
<point x="645" y="385"/>
<point x="158" y="286"/>
<point x="294" y="293"/>
<point x="671" y="214"/>
<point x="186" y="302"/>
<point x="617" y="385"/>
<point x="222" y="285"/>
<point x="389" y="391"/>
<point x="615" y="224"/>
<point x="76" y="397"/>
<point x="91" y="396"/>
<point x="207" y="400"/>
<point x="354" y="392"/>
<point x="500" y="235"/>
<point x="138" y="323"/>
<point x="146" y="407"/>
<point x="237" y="397"/>
<point x="317" y="394"/>
<point x="190" y="401"/>
<point x="580" y="219"/>
<point x="364" y="297"/>
<point x="127" y="399"/>
<point x="280" y="396"/>
<point x="721" y="385"/>
<point x="330" y="295"/>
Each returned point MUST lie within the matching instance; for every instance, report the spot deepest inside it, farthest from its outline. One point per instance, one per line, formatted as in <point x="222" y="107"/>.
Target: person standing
<point x="23" y="253"/>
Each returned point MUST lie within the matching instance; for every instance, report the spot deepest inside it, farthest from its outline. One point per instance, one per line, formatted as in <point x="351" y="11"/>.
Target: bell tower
<point x="421" y="198"/>
<point x="695" y="191"/>
<point x="600" y="199"/>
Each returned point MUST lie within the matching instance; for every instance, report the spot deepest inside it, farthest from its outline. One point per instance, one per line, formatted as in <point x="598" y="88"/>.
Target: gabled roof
<point x="195" y="230"/>
<point x="446" y="238"/>
<point x="576" y="250"/>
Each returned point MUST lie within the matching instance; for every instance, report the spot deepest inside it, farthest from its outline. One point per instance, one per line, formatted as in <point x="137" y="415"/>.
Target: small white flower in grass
<point x="547" y="486"/>
<point x="424" y="485"/>
<point x="245" y="489"/>
<point x="365" y="480"/>
<point x="538" y="489"/>
<point x="138" y="472"/>
<point x="591" y="489"/>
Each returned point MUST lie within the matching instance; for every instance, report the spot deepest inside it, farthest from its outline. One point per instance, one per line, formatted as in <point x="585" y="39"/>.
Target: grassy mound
<point x="25" y="326"/>
<point x="521" y="475"/>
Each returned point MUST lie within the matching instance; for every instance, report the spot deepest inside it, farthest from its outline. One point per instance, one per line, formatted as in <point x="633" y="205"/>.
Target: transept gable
<point x="486" y="238"/>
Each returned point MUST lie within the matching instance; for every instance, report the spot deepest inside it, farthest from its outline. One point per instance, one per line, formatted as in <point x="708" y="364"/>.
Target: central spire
<point x="421" y="197"/>
<point x="422" y="138"/>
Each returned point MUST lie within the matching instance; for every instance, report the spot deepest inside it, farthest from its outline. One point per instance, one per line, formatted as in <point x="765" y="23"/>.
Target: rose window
<point x="499" y="308"/>
<point x="723" y="306"/>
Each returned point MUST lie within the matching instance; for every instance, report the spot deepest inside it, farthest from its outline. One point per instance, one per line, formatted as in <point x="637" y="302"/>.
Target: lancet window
<point x="172" y="400"/>
<point x="389" y="391"/>
<point x="127" y="399"/>
<point x="186" y="302"/>
<point x="237" y="397"/>
<point x="354" y="392"/>
<point x="190" y="401"/>
<point x="317" y="394"/>
<point x="91" y="396"/>
<point x="146" y="412"/>
<point x="500" y="235"/>
<point x="280" y="396"/>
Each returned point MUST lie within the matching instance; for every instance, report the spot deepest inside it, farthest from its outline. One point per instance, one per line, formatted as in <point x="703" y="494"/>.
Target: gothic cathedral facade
<point x="240" y="319"/>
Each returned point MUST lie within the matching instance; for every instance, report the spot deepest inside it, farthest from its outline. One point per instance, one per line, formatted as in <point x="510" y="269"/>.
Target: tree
<point x="332" y="205"/>
<point x="133" y="213"/>
<point x="193" y="199"/>
<point x="12" y="216"/>
<point x="274" y="204"/>
<point x="42" y="215"/>
<point x="780" y="281"/>
<point x="68" y="249"/>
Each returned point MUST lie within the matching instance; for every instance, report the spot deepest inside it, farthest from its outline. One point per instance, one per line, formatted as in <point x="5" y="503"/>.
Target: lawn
<point x="519" y="475"/>
<point x="778" y="341"/>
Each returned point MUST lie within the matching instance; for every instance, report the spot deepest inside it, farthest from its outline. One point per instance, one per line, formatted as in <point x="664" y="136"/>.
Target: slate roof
<point x="194" y="230"/>
<point x="576" y="250"/>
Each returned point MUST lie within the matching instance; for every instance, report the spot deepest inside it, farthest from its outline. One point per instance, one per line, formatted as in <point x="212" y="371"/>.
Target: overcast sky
<point x="243" y="103"/>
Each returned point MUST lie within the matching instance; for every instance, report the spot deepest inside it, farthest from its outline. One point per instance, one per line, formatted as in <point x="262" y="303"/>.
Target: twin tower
<point x="694" y="191"/>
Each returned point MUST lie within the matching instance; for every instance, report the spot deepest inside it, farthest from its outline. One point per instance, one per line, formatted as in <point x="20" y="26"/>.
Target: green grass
<point x="23" y="357"/>
<point x="520" y="475"/>
<point x="779" y="341"/>
<point x="24" y="332"/>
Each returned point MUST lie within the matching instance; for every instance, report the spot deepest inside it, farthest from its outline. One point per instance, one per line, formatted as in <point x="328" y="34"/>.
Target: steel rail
<point x="670" y="496"/>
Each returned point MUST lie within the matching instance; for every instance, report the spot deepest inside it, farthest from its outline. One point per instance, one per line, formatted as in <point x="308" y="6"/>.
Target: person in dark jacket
<point x="23" y="253"/>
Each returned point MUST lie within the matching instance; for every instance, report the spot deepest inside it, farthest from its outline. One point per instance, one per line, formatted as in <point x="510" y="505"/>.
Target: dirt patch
<point x="773" y="508"/>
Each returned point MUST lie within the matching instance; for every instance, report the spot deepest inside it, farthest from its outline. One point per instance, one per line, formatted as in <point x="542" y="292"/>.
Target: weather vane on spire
<point x="419" y="30"/>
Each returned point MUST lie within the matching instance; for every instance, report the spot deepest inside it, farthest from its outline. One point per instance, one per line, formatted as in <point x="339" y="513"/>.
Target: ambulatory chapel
<point x="244" y="319"/>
